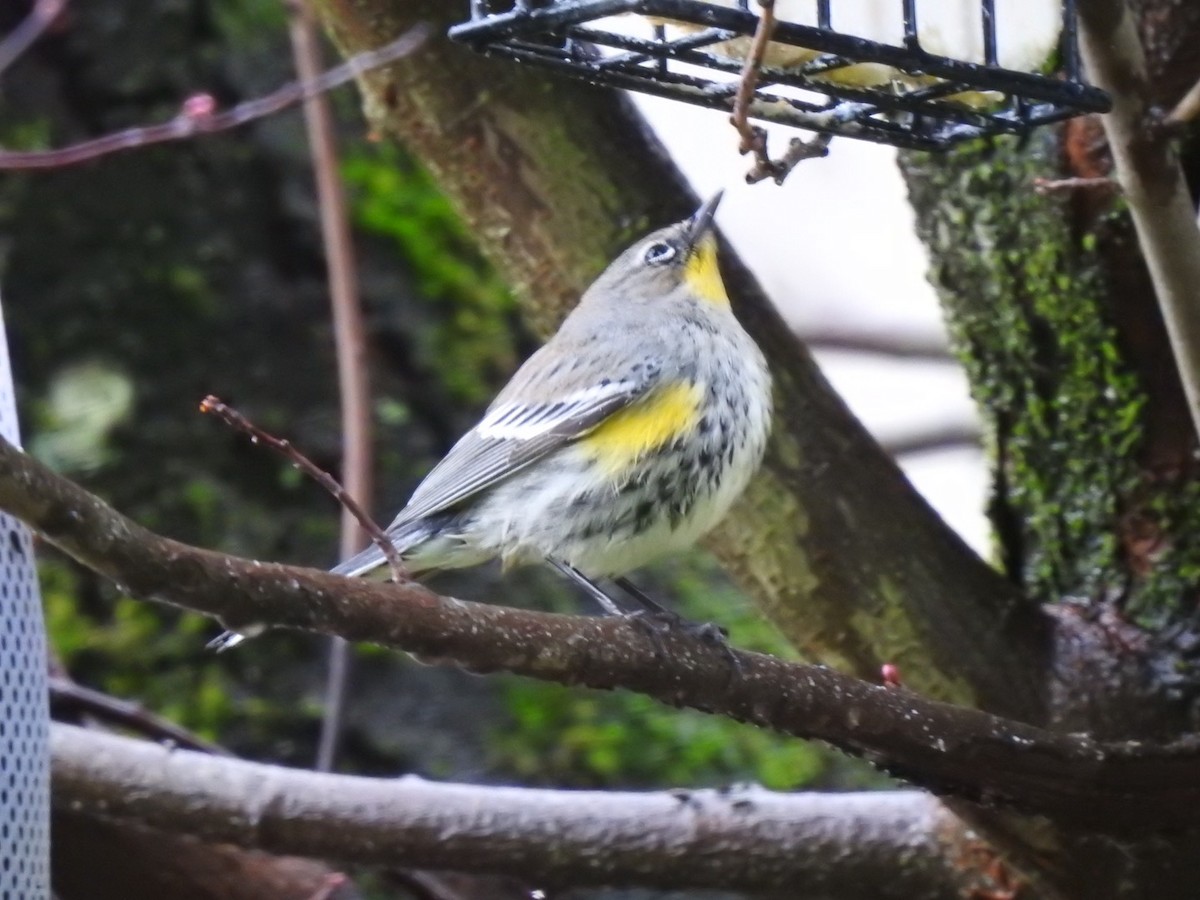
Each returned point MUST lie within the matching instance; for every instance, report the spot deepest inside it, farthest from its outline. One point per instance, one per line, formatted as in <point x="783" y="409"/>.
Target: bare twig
<point x="350" y="342"/>
<point x="334" y="882"/>
<point x="284" y="448"/>
<point x="753" y="137"/>
<point x="1187" y="109"/>
<point x="127" y="714"/>
<point x="851" y="340"/>
<point x="424" y="885"/>
<point x="957" y="434"/>
<point x="1107" y="786"/>
<point x="32" y="27"/>
<point x="1147" y="166"/>
<point x="1063" y="185"/>
<point x="191" y="121"/>
<point x="847" y="845"/>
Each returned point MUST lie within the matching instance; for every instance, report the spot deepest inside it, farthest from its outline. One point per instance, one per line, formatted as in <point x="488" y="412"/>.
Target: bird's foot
<point x="661" y="621"/>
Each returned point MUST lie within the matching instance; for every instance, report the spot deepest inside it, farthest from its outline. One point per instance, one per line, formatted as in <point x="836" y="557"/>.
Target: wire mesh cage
<point x="24" y="703"/>
<point x="921" y="74"/>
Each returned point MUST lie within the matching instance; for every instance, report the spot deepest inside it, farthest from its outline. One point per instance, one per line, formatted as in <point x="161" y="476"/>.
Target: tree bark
<point x="871" y="845"/>
<point x="1059" y="323"/>
<point x="1119" y="787"/>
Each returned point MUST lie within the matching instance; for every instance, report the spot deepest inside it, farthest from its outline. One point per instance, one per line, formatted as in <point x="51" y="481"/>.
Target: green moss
<point x="471" y="342"/>
<point x="1033" y="325"/>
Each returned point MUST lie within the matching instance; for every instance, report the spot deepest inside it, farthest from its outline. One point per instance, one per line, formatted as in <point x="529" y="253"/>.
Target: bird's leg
<point x="638" y="618"/>
<point x="707" y="631"/>
<point x="653" y="616"/>
<point x="651" y="605"/>
<point x="593" y="590"/>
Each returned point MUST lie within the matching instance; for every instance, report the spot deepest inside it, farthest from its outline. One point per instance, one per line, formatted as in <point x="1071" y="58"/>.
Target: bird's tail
<point x="365" y="562"/>
<point x="370" y="563"/>
<point x="371" y="560"/>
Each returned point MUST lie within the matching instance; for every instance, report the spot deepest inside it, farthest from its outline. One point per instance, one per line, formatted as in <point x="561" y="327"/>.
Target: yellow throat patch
<point x="643" y="427"/>
<point x="701" y="274"/>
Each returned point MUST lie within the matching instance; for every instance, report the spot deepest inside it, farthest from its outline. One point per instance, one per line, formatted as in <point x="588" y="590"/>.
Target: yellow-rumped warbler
<point x="625" y="438"/>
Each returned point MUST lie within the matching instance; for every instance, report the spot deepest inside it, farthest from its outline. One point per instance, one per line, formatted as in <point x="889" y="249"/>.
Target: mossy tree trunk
<point x="1093" y="453"/>
<point x="1092" y="449"/>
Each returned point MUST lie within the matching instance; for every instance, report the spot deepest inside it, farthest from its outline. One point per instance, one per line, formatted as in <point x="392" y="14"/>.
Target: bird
<point x="624" y="439"/>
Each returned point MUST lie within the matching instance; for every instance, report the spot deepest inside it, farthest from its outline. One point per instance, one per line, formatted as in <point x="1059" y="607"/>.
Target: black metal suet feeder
<point x="922" y="107"/>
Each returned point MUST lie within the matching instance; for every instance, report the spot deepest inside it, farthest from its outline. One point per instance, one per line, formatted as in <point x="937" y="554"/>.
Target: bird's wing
<point x="512" y="435"/>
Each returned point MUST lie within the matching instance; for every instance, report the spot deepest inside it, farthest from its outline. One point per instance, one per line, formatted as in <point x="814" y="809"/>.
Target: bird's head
<point x="680" y="259"/>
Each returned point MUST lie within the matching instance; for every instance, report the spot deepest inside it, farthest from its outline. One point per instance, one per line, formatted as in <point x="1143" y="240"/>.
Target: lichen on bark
<point x="1088" y="500"/>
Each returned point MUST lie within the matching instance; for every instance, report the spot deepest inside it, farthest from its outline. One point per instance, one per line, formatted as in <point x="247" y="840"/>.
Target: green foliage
<point x="250" y="22"/>
<point x="161" y="657"/>
<point x="397" y="199"/>
<point x="85" y="402"/>
<point x="562" y="736"/>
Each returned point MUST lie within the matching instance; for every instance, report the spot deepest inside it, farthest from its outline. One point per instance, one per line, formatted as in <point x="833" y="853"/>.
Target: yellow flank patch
<point x="643" y="427"/>
<point x="702" y="275"/>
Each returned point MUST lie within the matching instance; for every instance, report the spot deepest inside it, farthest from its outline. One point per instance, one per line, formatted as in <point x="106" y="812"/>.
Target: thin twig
<point x="1187" y="109"/>
<point x="284" y="448"/>
<point x="753" y="137"/>
<point x="193" y="121"/>
<point x="1057" y="185"/>
<point x="422" y="885"/>
<point x="127" y="714"/>
<point x="926" y="348"/>
<point x="350" y="343"/>
<point x="32" y="27"/>
<point x="1152" y="181"/>
<point x="334" y="882"/>
<point x="944" y="437"/>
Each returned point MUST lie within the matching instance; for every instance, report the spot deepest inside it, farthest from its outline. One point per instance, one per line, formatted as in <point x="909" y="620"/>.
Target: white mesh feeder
<point x="24" y="702"/>
<point x="920" y="74"/>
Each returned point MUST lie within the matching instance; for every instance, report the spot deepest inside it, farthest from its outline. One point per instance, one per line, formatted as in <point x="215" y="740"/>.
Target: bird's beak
<point x="701" y="222"/>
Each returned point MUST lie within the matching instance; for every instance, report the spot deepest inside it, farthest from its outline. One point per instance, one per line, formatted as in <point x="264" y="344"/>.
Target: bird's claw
<point x="655" y="623"/>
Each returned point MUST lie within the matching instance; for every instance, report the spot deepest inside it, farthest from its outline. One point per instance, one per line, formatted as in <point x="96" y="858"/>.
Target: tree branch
<point x="126" y="714"/>
<point x="32" y="27"/>
<point x="1151" y="179"/>
<point x="1109" y="787"/>
<point x="943" y="437"/>
<point x="868" y="845"/>
<point x="851" y="340"/>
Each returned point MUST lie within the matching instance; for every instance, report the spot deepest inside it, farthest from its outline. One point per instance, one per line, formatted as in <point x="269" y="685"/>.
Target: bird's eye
<point x="658" y="253"/>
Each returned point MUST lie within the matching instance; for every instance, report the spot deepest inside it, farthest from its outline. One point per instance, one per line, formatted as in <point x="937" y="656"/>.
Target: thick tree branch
<point x="1148" y="170"/>
<point x="1106" y="787"/>
<point x="868" y="845"/>
<point x="554" y="177"/>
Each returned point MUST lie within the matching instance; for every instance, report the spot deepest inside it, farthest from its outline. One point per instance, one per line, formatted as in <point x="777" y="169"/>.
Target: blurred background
<point x="135" y="285"/>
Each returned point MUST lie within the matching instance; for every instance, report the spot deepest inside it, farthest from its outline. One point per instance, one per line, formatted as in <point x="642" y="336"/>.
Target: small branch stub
<point x="753" y="137"/>
<point x="284" y="448"/>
